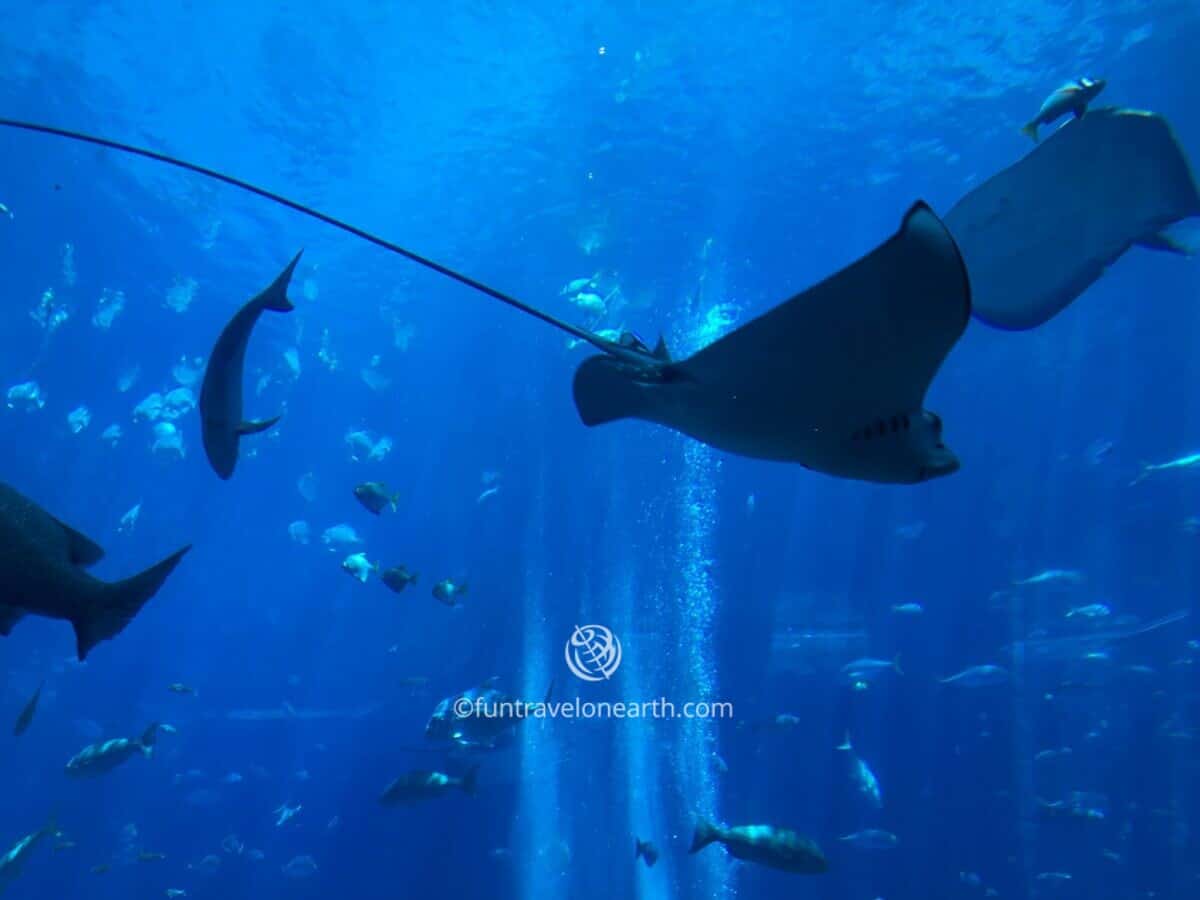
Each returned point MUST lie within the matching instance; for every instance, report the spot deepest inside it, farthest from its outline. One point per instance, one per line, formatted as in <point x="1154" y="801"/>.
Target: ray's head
<point x="900" y="449"/>
<point x="933" y="458"/>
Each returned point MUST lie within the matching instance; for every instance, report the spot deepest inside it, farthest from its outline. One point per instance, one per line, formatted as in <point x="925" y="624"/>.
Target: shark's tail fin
<point x="275" y="296"/>
<point x="706" y="833"/>
<point x="604" y="392"/>
<point x="1030" y="131"/>
<point x="845" y="745"/>
<point x="115" y="604"/>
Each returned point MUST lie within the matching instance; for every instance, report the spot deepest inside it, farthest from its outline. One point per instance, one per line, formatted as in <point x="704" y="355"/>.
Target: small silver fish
<point x="908" y="609"/>
<point x="1072" y="97"/>
<point x="862" y="776"/>
<point x="978" y="676"/>
<point x="866" y="670"/>
<point x="871" y="839"/>
<point x="1069" y="576"/>
<point x="358" y="566"/>
<point x="1191" y="461"/>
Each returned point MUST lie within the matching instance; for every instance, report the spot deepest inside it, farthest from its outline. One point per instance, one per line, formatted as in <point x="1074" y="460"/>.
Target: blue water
<point x="693" y="155"/>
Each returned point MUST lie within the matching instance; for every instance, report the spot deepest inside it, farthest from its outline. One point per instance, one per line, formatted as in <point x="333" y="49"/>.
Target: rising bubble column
<point x="543" y="862"/>
<point x="638" y="621"/>
<point x="696" y="674"/>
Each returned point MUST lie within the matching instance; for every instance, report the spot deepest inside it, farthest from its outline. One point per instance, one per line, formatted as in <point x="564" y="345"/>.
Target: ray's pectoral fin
<point x="257" y="426"/>
<point x="863" y="344"/>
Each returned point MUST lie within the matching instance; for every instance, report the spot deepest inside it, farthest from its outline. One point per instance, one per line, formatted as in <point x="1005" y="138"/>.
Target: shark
<point x="221" y="421"/>
<point x="43" y="564"/>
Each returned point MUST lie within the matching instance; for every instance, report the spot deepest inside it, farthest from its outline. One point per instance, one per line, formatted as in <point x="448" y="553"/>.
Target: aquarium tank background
<point x="673" y="169"/>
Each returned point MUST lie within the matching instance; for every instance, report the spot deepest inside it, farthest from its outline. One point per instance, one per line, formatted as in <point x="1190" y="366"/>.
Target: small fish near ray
<point x="1038" y="234"/>
<point x="42" y="564"/>
<point x="834" y="378"/>
<point x="222" y="425"/>
<point x="1072" y="97"/>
